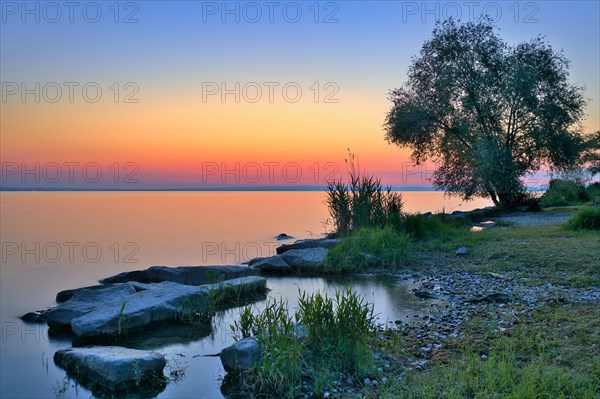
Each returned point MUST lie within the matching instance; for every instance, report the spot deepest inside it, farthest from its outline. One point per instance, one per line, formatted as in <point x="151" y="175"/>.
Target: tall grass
<point x="339" y="330"/>
<point x="362" y="202"/>
<point x="326" y="335"/>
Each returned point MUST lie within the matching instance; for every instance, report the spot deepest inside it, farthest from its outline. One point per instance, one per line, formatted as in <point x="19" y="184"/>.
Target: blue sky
<point x="170" y="48"/>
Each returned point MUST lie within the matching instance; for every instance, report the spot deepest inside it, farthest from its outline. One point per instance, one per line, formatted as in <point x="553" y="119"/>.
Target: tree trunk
<point x="494" y="198"/>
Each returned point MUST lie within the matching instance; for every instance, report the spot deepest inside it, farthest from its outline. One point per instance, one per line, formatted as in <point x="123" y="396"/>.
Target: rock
<point x="241" y="356"/>
<point x="189" y="275"/>
<point x="273" y="264"/>
<point x="424" y="294"/>
<point x="85" y="301"/>
<point x="113" y="367"/>
<point x="499" y="276"/>
<point x="65" y="295"/>
<point x="306" y="260"/>
<point x="327" y="243"/>
<point x="164" y="301"/>
<point x="283" y="236"/>
<point x="136" y="275"/>
<point x="38" y="316"/>
<point x="367" y="382"/>
<point x="462" y="251"/>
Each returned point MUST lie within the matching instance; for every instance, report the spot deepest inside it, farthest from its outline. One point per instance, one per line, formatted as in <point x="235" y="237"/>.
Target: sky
<point x="181" y="94"/>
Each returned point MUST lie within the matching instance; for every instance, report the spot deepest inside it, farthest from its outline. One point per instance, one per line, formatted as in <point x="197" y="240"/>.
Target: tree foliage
<point x="487" y="112"/>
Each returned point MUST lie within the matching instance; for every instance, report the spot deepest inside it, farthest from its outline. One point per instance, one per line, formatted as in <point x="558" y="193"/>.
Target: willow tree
<point x="488" y="113"/>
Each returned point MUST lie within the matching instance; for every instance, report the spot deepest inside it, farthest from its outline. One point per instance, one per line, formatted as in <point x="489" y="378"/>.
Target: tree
<point x="591" y="154"/>
<point x="488" y="113"/>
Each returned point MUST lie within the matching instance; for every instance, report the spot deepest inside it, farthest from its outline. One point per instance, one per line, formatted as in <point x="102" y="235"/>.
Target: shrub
<point x="367" y="248"/>
<point x="564" y="192"/>
<point x="593" y="192"/>
<point x="363" y="202"/>
<point x="585" y="219"/>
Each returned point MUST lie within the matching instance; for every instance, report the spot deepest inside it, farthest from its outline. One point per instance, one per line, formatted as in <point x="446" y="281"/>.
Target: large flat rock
<point x="160" y="302"/>
<point x="190" y="275"/>
<point x="327" y="243"/>
<point x="113" y="367"/>
<point x="85" y="301"/>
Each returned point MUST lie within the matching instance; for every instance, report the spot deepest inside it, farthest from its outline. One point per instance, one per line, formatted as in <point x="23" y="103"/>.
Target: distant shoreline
<point x="202" y="189"/>
<point x="213" y="189"/>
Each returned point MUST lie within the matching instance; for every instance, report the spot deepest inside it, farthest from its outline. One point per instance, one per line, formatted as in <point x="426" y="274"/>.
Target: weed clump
<point x="325" y="338"/>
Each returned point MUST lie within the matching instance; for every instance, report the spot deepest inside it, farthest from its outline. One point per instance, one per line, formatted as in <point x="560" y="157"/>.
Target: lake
<point x="51" y="241"/>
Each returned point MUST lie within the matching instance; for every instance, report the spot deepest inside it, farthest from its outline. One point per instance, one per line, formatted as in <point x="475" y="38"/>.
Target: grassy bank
<point x="552" y="352"/>
<point x="505" y="351"/>
<point x="546" y="349"/>
<point x="550" y="253"/>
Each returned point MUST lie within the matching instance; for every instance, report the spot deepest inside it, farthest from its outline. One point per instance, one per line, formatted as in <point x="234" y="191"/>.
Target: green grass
<point x="369" y="248"/>
<point x="554" y="352"/>
<point x="540" y="254"/>
<point x="337" y="338"/>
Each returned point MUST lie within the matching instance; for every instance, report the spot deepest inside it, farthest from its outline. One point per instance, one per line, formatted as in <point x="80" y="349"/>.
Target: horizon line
<point x="215" y="188"/>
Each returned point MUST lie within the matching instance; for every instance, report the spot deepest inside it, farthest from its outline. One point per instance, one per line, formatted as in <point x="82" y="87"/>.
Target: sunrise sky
<point x="310" y="79"/>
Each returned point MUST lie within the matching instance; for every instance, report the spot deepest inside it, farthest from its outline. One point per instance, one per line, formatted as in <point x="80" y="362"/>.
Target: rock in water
<point x="164" y="301"/>
<point x="113" y="367"/>
<point x="283" y="236"/>
<point x="85" y="301"/>
<point x="327" y="243"/>
<point x="306" y="260"/>
<point x="189" y="275"/>
<point x="273" y="264"/>
<point x="462" y="251"/>
<point x="65" y="295"/>
<point x="241" y="356"/>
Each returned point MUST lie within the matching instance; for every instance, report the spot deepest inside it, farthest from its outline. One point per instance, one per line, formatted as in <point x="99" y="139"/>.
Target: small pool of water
<point x="186" y="346"/>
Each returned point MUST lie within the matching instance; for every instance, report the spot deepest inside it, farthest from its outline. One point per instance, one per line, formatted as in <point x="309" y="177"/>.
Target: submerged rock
<point x="113" y="367"/>
<point x="327" y="243"/>
<point x="241" y="356"/>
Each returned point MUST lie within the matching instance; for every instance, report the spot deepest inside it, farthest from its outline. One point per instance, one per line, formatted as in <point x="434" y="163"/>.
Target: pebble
<point x="326" y="394"/>
<point x="384" y="380"/>
<point x="368" y="382"/>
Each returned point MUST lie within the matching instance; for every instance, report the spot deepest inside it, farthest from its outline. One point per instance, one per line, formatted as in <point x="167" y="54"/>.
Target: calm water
<point x="55" y="240"/>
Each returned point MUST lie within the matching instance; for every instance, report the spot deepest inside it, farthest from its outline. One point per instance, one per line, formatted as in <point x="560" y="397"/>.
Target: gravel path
<point x="533" y="219"/>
